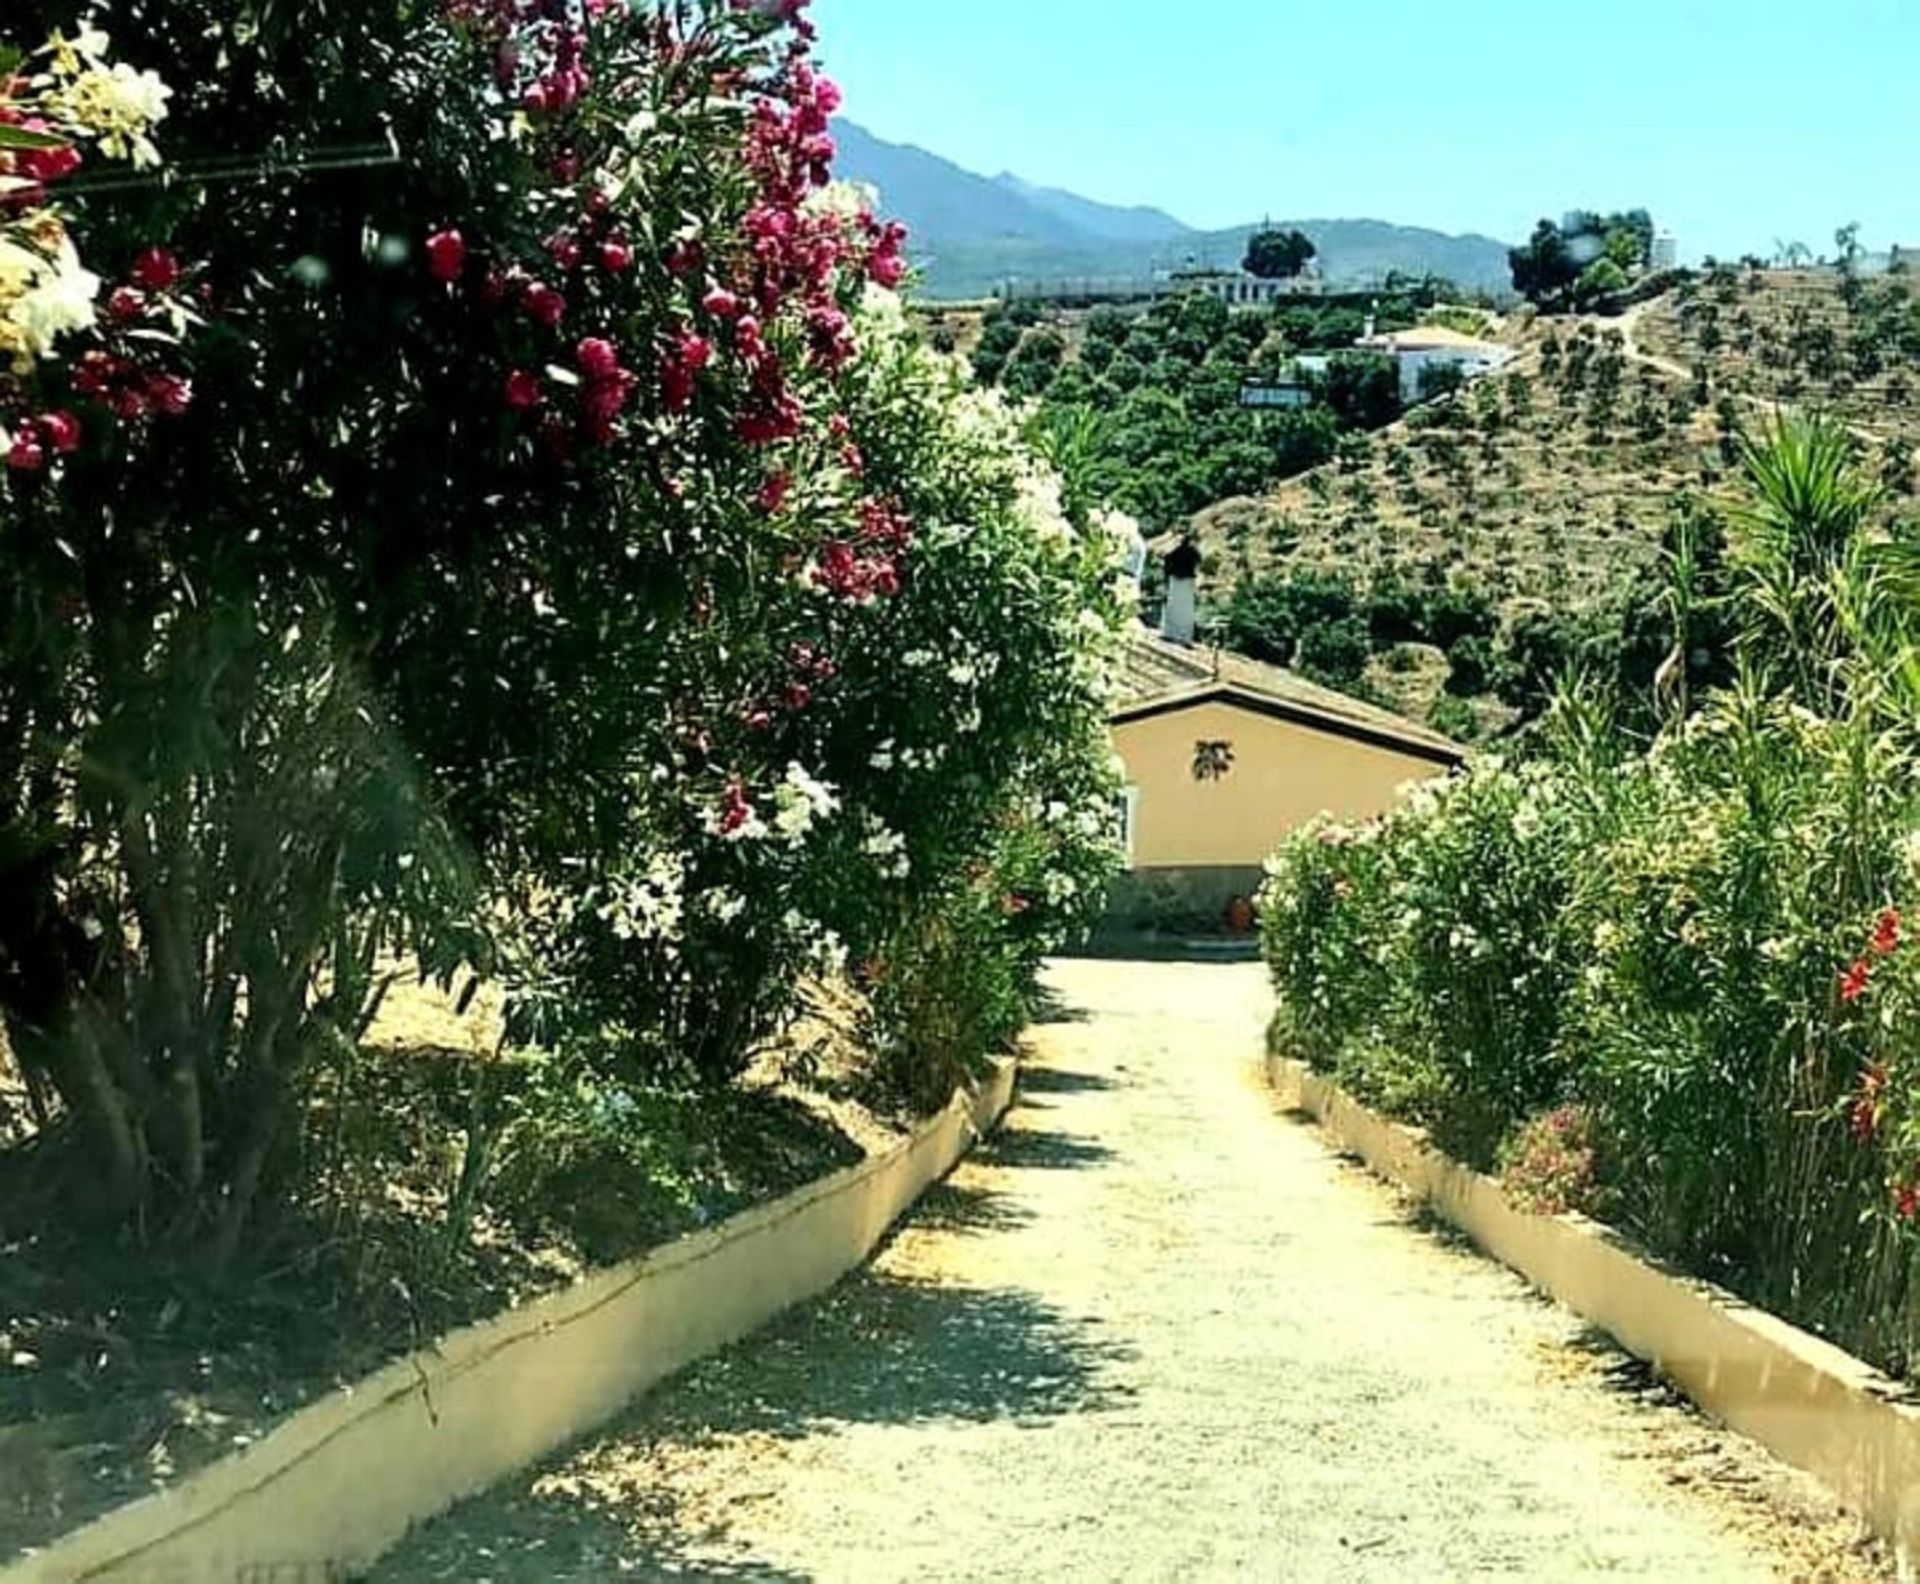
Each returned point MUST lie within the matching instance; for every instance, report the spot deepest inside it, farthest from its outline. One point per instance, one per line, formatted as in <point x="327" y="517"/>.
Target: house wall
<point x="1415" y="362"/>
<point x="1283" y="775"/>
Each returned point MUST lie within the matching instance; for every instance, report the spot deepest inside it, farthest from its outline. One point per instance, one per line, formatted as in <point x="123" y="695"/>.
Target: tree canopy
<point x="1279" y="255"/>
<point x="1558" y="266"/>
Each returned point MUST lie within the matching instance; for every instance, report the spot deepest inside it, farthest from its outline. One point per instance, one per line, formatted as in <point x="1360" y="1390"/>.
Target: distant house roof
<point x="1162" y="676"/>
<point x="1429" y="338"/>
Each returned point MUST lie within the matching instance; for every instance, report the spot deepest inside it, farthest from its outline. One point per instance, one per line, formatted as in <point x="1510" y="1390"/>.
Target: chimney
<point x="1177" y="614"/>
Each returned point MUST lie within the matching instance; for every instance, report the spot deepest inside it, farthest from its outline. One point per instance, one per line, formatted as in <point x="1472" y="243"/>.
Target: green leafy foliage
<point x="509" y="600"/>
<point x="1703" y="948"/>
<point x="1168" y="382"/>
<point x="1582" y="259"/>
<point x="1278" y="255"/>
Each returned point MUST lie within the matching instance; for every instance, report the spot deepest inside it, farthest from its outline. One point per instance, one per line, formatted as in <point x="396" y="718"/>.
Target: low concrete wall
<point x="340" y="1482"/>
<point x="1191" y="899"/>
<point x="1809" y="1403"/>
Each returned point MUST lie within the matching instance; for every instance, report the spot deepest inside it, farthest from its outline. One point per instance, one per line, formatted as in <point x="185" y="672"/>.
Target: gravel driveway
<point x="1155" y="1332"/>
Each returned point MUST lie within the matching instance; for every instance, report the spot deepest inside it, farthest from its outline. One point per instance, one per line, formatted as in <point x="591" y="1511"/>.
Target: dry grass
<point x="1781" y="336"/>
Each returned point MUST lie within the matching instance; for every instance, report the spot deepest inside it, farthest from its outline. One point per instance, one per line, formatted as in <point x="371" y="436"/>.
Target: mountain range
<point x="973" y="233"/>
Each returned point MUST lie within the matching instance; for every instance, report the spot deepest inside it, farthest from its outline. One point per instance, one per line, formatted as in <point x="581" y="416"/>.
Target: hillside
<point x="1547" y="480"/>
<point x="971" y="232"/>
<point x="1811" y="337"/>
<point x="1546" y="489"/>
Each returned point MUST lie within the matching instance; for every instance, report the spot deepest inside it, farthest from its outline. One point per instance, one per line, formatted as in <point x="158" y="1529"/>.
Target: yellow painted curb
<point x="1808" y="1402"/>
<point x="323" y="1495"/>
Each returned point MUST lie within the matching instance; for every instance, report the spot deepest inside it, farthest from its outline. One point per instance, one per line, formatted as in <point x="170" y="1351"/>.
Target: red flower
<point x="721" y="303"/>
<point x="1906" y="1202"/>
<point x="773" y="493"/>
<point x="523" y="390"/>
<point x="126" y="302"/>
<point x="676" y="385"/>
<point x="446" y="257"/>
<point x="696" y="351"/>
<point x="170" y="394"/>
<point x="1854" y="982"/>
<point x="95" y="373"/>
<point x="597" y="357"/>
<point x="1886" y="933"/>
<point x="616" y="256"/>
<point x="62" y="432"/>
<point x="545" y="305"/>
<point x="27" y="455"/>
<point x="42" y="165"/>
<point x="735" y="808"/>
<point x="155" y="270"/>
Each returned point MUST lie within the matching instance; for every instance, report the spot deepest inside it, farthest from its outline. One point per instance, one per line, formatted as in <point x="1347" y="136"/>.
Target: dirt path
<point x="1155" y="1332"/>
<point x="1628" y="324"/>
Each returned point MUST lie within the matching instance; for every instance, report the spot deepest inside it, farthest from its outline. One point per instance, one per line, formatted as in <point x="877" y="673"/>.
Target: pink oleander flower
<point x="523" y="392"/>
<point x="598" y="358"/>
<point x="696" y="351"/>
<point x="446" y="258"/>
<point x="544" y="304"/>
<point x="27" y="454"/>
<point x="61" y="430"/>
<point x="169" y="394"/>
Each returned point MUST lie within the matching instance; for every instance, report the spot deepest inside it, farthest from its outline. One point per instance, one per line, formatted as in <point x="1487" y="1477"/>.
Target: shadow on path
<point x="967" y="1211"/>
<point x="1055" y="1080"/>
<point x="1050" y="1008"/>
<point x="879" y="1349"/>
<point x="1019" y="1149"/>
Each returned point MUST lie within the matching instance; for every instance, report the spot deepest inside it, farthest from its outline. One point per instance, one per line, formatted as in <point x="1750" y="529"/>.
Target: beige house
<point x="1225" y="755"/>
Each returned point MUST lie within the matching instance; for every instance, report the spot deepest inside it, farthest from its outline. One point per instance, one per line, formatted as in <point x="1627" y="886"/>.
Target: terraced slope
<point x="1549" y="480"/>
<point x="1807" y="337"/>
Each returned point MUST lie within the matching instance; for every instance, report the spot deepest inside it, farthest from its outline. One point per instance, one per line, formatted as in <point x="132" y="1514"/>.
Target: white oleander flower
<point x="800" y="803"/>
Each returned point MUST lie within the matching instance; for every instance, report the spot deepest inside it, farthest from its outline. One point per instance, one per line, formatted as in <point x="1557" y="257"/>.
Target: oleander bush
<point x="1673" y="978"/>
<point x="472" y="501"/>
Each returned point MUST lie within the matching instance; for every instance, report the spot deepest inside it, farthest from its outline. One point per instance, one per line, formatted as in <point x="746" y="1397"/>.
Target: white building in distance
<point x="1426" y="347"/>
<point x="1238" y="289"/>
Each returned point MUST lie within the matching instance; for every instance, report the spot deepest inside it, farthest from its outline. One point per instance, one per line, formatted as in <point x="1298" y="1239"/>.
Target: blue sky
<point x="1736" y="121"/>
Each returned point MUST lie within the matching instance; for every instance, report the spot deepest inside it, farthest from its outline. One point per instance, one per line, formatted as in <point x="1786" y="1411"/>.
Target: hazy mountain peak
<point x="971" y="232"/>
<point x="1135" y="223"/>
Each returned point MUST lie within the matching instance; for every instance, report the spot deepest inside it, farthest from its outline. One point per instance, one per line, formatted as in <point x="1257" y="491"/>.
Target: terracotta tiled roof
<point x="1160" y="674"/>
